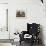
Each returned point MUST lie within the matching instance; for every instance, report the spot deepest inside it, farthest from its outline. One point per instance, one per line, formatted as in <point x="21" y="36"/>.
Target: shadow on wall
<point x="41" y="34"/>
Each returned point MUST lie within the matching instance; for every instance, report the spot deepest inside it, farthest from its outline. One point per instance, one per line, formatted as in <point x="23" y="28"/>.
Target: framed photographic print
<point x="20" y="13"/>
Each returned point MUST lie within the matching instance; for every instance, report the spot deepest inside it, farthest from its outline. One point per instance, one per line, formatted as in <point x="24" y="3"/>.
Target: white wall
<point x="3" y="1"/>
<point x="35" y="12"/>
<point x="45" y="26"/>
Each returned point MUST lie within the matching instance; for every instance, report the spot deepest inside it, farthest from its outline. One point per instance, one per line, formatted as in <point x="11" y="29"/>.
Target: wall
<point x="35" y="12"/>
<point x="45" y="26"/>
<point x="3" y="1"/>
<point x="31" y="9"/>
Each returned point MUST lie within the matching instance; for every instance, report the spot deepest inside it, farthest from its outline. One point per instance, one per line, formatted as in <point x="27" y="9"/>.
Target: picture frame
<point x="20" y="13"/>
